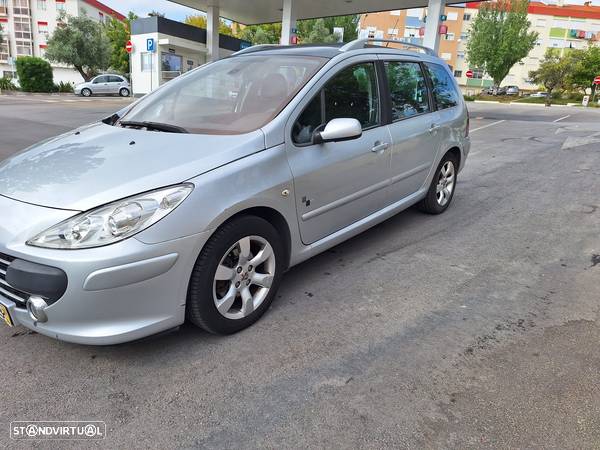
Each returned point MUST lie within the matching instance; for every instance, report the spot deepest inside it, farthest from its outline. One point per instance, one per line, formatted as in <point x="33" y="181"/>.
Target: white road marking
<point x="562" y="118"/>
<point x="487" y="126"/>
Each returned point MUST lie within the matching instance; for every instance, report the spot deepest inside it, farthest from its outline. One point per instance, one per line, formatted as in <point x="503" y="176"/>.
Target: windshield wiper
<point x="157" y="126"/>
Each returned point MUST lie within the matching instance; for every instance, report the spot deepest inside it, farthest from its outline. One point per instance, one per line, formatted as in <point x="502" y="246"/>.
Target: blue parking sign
<point x="150" y="45"/>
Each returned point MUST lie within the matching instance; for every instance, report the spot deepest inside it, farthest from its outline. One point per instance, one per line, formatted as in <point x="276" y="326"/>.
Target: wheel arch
<point x="275" y="218"/>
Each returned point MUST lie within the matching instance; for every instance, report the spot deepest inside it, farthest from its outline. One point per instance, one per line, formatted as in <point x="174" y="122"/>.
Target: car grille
<point x="7" y="291"/>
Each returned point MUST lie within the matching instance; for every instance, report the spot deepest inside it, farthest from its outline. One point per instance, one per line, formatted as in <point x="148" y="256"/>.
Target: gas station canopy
<point x="266" y="11"/>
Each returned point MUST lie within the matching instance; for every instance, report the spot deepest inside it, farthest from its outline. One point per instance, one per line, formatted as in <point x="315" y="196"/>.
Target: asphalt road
<point x="474" y="329"/>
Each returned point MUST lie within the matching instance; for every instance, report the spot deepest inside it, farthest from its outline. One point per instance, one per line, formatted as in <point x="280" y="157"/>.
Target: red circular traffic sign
<point x="597" y="80"/>
<point x="469" y="74"/>
<point x="129" y="46"/>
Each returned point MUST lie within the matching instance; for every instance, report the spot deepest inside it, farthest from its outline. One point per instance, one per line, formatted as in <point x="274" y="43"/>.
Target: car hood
<point x="100" y="163"/>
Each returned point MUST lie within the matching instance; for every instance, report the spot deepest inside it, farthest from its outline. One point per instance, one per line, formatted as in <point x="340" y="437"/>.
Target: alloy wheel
<point x="244" y="277"/>
<point x="445" y="184"/>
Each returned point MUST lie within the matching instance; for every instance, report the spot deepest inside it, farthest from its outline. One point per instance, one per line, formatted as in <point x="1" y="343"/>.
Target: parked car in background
<point x="539" y="94"/>
<point x="106" y="84"/>
<point x="193" y="202"/>
<point x="512" y="90"/>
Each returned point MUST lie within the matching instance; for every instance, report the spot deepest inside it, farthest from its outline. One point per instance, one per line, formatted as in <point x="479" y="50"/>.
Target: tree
<point x="81" y="43"/>
<point x="586" y="66"/>
<point x="261" y="34"/>
<point x="348" y="23"/>
<point x="35" y="74"/>
<point x="118" y="34"/>
<point x="199" y="21"/>
<point x="500" y="37"/>
<point x="553" y="72"/>
<point x="316" y="33"/>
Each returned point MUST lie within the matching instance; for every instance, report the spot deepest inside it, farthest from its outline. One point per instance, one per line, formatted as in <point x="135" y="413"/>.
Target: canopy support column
<point x="288" y="23"/>
<point x="431" y="39"/>
<point x="212" y="32"/>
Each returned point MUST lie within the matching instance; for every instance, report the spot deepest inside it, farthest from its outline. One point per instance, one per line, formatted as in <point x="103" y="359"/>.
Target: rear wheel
<point x="86" y="92"/>
<point x="442" y="187"/>
<point x="236" y="276"/>
<point x="124" y="92"/>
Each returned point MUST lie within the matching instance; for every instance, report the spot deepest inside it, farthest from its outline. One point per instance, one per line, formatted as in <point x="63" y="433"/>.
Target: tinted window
<point x="102" y="79"/>
<point x="352" y="93"/>
<point x="114" y="79"/>
<point x="444" y="92"/>
<point x="408" y="89"/>
<point x="230" y="96"/>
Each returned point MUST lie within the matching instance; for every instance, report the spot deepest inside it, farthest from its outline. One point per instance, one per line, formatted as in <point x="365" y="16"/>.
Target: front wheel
<point x="85" y="92"/>
<point x="442" y="187"/>
<point x="236" y="276"/>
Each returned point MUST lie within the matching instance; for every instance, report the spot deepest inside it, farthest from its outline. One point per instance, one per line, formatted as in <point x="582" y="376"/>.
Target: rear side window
<point x="444" y="92"/>
<point x="408" y="89"/>
<point x="114" y="79"/>
<point x="352" y="93"/>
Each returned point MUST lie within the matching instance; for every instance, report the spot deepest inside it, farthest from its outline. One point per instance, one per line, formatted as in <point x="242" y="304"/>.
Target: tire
<point x="224" y="251"/>
<point x="85" y="92"/>
<point x="437" y="202"/>
<point x="124" y="92"/>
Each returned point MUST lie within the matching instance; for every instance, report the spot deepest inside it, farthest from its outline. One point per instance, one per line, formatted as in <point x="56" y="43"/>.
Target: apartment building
<point x="559" y="26"/>
<point x="27" y="24"/>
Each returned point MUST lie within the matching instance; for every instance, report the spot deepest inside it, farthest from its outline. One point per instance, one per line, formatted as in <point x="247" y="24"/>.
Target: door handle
<point x="380" y="147"/>
<point x="434" y="127"/>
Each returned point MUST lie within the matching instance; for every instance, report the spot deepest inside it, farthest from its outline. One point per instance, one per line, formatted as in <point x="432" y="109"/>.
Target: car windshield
<point x="231" y="96"/>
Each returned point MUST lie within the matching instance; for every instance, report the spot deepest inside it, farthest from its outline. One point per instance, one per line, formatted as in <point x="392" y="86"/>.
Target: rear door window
<point x="408" y="89"/>
<point x="444" y="91"/>
<point x="351" y="93"/>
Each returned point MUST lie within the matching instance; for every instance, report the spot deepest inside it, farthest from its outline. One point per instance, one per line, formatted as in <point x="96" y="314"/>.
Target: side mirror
<point x="338" y="130"/>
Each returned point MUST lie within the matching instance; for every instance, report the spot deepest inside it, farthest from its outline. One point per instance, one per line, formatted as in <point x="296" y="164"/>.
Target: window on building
<point x="415" y="12"/>
<point x="60" y="5"/>
<point x="458" y="73"/>
<point x="43" y="28"/>
<point x="477" y="74"/>
<point x="22" y="28"/>
<point x="21" y="7"/>
<point x="41" y="5"/>
<point x="43" y="50"/>
<point x="23" y="48"/>
<point x="466" y="16"/>
<point x="395" y="12"/>
<point x="452" y="16"/>
<point x="464" y="36"/>
<point x="444" y="91"/>
<point x="101" y="16"/>
<point x="449" y="36"/>
<point x="408" y="89"/>
<point x="4" y="51"/>
<point x="393" y="31"/>
<point x="3" y="7"/>
<point x="460" y="55"/>
<point x="446" y="56"/>
<point x="146" y="62"/>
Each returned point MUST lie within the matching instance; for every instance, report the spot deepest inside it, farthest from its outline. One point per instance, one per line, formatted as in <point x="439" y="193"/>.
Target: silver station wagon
<point x="191" y="203"/>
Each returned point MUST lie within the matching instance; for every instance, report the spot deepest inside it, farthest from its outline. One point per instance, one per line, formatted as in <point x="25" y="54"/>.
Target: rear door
<point x="114" y="84"/>
<point x="414" y="126"/>
<point x="339" y="183"/>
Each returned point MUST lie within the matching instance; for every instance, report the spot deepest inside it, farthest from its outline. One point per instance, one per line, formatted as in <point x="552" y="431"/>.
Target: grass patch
<point x="542" y="101"/>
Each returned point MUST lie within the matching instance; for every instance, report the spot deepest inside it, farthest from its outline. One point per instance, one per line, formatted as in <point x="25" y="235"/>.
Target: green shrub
<point x="63" y="86"/>
<point x="6" y="84"/>
<point x="35" y="74"/>
<point x="469" y="98"/>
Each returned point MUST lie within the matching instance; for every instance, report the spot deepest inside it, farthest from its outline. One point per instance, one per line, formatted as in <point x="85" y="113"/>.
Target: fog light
<point x="36" y="307"/>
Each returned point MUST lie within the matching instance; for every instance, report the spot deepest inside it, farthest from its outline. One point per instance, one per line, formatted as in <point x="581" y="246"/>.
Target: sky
<point x="177" y="12"/>
<point x="143" y="7"/>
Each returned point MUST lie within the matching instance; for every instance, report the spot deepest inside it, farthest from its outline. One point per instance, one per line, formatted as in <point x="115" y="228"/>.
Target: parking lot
<point x="474" y="329"/>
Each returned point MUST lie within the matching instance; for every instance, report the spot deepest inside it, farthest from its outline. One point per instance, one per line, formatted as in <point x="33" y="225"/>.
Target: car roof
<point x="333" y="50"/>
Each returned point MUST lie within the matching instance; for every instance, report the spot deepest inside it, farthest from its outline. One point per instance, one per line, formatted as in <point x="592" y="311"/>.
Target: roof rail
<point x="255" y="48"/>
<point x="362" y="43"/>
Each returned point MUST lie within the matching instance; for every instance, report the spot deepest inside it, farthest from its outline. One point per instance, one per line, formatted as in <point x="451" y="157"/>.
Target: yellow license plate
<point x="5" y="316"/>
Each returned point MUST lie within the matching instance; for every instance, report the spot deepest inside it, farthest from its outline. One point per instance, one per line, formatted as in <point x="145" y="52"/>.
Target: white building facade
<point x="27" y="24"/>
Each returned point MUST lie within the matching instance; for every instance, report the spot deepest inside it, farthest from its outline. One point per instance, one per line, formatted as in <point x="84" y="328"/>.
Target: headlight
<point x="114" y="222"/>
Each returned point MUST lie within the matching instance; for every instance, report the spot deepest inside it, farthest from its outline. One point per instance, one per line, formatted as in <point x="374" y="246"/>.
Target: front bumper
<point x="114" y="294"/>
